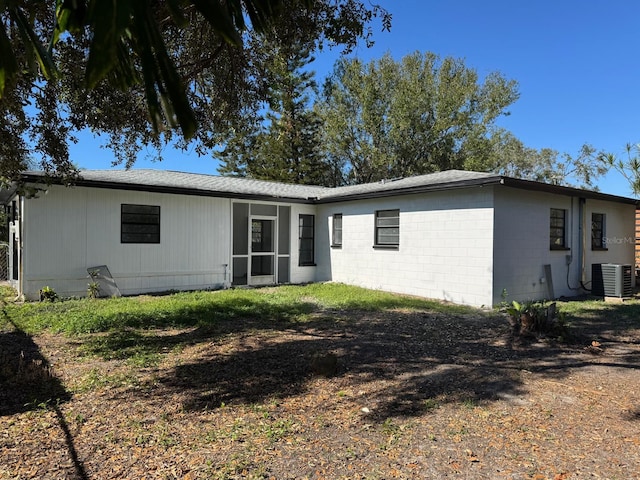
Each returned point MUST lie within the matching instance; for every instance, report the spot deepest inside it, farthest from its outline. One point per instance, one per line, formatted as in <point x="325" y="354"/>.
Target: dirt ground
<point x="412" y="395"/>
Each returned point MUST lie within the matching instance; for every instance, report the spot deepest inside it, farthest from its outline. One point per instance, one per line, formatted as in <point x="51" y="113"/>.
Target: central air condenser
<point x="611" y="280"/>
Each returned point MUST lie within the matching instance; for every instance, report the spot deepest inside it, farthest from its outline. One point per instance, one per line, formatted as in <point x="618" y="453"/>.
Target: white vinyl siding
<point x="72" y="229"/>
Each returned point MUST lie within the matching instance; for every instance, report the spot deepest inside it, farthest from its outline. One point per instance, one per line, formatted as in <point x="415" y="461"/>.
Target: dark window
<point x="337" y="230"/>
<point x="387" y="228"/>
<point x="306" y="235"/>
<point x="597" y="231"/>
<point x="140" y="224"/>
<point x="557" y="229"/>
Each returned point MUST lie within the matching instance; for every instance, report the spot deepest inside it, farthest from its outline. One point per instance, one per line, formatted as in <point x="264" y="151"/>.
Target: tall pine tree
<point x="283" y="143"/>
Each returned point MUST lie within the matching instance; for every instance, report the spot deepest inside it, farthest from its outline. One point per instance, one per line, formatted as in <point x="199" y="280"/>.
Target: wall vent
<point x="611" y="280"/>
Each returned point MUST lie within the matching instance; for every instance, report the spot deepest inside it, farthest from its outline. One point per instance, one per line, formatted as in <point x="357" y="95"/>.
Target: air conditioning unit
<point x="611" y="280"/>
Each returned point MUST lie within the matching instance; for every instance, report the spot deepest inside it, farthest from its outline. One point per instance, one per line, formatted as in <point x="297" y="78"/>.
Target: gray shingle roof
<point x="212" y="185"/>
<point x="194" y="183"/>
<point x="207" y="183"/>
<point x="437" y="180"/>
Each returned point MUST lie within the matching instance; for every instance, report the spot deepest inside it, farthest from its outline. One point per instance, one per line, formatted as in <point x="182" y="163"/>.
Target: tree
<point x="628" y="167"/>
<point x="283" y="144"/>
<point x="503" y="153"/>
<point x="391" y="119"/>
<point x="139" y="71"/>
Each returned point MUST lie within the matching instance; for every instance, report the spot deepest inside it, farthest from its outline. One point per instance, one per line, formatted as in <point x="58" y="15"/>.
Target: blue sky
<point x="577" y="64"/>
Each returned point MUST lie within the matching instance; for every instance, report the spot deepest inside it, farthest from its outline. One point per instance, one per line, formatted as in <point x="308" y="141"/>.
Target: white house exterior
<point x="465" y="237"/>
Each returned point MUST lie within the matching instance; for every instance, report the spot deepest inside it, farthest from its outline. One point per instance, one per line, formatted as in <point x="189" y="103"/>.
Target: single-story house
<point x="467" y="237"/>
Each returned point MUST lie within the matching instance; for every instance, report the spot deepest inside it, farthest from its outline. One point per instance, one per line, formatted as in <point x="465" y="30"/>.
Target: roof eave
<point x="562" y="190"/>
<point x="478" y="182"/>
<point x="81" y="182"/>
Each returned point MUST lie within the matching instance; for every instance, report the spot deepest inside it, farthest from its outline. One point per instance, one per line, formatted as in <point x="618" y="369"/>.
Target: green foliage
<point x="504" y="154"/>
<point x="7" y="293"/>
<point x="146" y="74"/>
<point x="283" y="144"/>
<point x="388" y="119"/>
<point x="48" y="294"/>
<point x="628" y="167"/>
<point x="536" y="317"/>
<point x="93" y="289"/>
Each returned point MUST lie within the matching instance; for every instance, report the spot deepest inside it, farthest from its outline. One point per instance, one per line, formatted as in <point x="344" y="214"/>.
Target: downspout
<point x="581" y="245"/>
<point x="583" y="241"/>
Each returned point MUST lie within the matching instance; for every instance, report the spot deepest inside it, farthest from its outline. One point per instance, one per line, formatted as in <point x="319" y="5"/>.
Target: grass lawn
<point x="314" y="381"/>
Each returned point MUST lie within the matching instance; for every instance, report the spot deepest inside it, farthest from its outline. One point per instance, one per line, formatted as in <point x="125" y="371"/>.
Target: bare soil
<point x="412" y="395"/>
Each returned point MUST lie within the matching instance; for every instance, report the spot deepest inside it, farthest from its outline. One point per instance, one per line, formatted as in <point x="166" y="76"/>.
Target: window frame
<point x="336" y="227"/>
<point x="554" y="237"/>
<point x="598" y="235"/>
<point x="304" y="239"/>
<point x="155" y="239"/>
<point x="379" y="227"/>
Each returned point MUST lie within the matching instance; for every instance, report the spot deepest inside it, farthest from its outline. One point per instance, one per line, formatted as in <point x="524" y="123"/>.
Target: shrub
<point x="48" y="294"/>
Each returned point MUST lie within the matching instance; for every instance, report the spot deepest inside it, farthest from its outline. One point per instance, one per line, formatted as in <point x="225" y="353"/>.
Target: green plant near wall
<point x="536" y="317"/>
<point x="48" y="294"/>
<point x="93" y="287"/>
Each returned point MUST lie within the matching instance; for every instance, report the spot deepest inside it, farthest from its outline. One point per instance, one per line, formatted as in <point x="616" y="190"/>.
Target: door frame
<point x="269" y="279"/>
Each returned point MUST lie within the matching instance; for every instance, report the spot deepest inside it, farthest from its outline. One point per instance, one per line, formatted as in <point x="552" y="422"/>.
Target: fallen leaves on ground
<point x="415" y="395"/>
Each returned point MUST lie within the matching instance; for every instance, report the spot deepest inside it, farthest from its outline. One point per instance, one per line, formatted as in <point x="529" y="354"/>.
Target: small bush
<point x="536" y="317"/>
<point x="48" y="294"/>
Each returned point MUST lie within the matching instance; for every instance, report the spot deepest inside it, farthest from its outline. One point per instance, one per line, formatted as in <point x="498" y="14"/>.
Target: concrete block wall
<point x="522" y="238"/>
<point x="522" y="245"/>
<point x="619" y="235"/>
<point x="445" y="249"/>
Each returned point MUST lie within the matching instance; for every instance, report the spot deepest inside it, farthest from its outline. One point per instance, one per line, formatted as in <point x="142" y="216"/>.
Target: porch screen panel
<point x="240" y="229"/>
<point x="240" y="271"/>
<point x="284" y="230"/>
<point x="283" y="269"/>
<point x="262" y="265"/>
<point x="264" y="210"/>
<point x="262" y="235"/>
